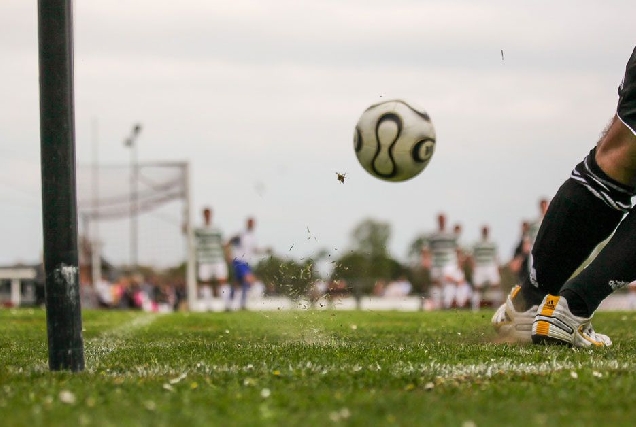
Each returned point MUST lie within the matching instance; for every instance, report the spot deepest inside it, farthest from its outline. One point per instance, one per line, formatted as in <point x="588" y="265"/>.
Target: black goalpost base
<point x="59" y="208"/>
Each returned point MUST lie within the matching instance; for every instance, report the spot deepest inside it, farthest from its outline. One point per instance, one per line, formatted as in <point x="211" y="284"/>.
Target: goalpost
<point x="59" y="212"/>
<point x="137" y="217"/>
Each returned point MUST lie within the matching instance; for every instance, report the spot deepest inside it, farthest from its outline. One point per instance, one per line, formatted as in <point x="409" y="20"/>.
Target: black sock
<point x="576" y="222"/>
<point x="612" y="269"/>
<point x="578" y="306"/>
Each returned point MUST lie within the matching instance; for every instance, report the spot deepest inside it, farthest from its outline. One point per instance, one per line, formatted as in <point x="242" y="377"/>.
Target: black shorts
<point x="626" y="109"/>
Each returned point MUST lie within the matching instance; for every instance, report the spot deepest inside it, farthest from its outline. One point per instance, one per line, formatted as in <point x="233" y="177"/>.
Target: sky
<point x="261" y="97"/>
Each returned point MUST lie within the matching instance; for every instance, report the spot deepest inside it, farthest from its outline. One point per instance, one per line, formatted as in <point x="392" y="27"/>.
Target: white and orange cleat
<point x="512" y="325"/>
<point x="555" y="324"/>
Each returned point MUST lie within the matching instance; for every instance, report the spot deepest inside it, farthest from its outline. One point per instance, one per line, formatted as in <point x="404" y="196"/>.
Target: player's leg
<point x="448" y="294"/>
<point x="566" y="318"/>
<point x="249" y="278"/>
<point x="206" y="275"/>
<point x="449" y="285"/>
<point x="478" y="287"/>
<point x="583" y="215"/>
<point x="461" y="287"/>
<point x="476" y="298"/>
<point x="463" y="295"/>
<point x="615" y="265"/>
<point x="205" y="291"/>
<point x="225" y="286"/>
<point x="246" y="283"/>
<point x="220" y="275"/>
<point x="238" y="268"/>
<point x="244" y="278"/>
<point x="584" y="212"/>
<point x="436" y="292"/>
<point x="225" y="291"/>
<point x="612" y="269"/>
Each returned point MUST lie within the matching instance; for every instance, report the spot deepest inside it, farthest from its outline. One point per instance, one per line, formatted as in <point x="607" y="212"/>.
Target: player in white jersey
<point x="210" y="255"/>
<point x="486" y="278"/>
<point x="463" y="291"/>
<point x="440" y="255"/>
<point x="244" y="251"/>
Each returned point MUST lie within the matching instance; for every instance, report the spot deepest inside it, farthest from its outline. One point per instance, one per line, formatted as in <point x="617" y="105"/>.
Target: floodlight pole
<point x="191" y="279"/>
<point x="96" y="258"/>
<point x="59" y="202"/>
<point x="131" y="142"/>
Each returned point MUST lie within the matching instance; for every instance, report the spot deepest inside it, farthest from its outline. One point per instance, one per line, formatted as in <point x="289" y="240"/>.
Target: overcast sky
<point x="261" y="98"/>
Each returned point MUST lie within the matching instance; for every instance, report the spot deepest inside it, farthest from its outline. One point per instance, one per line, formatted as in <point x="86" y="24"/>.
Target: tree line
<point x="367" y="261"/>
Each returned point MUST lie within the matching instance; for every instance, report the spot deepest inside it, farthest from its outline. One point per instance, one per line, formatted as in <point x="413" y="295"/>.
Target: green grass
<point x="312" y="368"/>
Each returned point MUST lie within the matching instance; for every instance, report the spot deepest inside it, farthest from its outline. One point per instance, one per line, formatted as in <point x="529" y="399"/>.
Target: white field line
<point x="102" y="345"/>
<point x="113" y="340"/>
<point x="431" y="371"/>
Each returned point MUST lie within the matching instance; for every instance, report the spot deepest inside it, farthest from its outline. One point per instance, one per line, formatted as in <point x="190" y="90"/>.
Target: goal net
<point x="135" y="219"/>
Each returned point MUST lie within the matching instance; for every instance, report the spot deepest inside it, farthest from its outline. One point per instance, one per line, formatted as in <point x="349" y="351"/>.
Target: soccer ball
<point x="394" y="141"/>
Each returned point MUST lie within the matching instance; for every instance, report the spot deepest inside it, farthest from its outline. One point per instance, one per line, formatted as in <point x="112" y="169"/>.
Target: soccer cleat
<point x="555" y="324"/>
<point x="513" y="325"/>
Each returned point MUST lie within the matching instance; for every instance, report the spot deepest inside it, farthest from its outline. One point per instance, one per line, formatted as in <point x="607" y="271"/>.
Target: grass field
<point x="312" y="368"/>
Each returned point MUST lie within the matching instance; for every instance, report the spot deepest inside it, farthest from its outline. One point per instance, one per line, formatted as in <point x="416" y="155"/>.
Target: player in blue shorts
<point x="549" y="306"/>
<point x="243" y="252"/>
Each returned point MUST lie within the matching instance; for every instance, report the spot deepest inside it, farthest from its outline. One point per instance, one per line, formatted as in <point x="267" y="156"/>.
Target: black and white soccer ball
<point x="394" y="141"/>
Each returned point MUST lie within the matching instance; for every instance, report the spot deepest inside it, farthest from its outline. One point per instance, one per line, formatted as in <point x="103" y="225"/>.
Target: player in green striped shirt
<point x="211" y="263"/>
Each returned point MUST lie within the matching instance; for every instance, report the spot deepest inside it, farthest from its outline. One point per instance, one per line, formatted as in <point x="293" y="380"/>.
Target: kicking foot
<point x="555" y="324"/>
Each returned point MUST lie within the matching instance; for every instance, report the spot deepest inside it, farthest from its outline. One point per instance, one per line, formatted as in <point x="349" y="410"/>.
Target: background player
<point x="244" y="250"/>
<point x="486" y="278"/>
<point x="210" y="254"/>
<point x="519" y="262"/>
<point x="440" y="254"/>
<point x="533" y="232"/>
